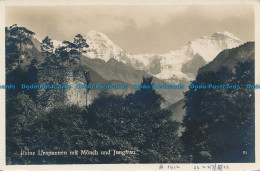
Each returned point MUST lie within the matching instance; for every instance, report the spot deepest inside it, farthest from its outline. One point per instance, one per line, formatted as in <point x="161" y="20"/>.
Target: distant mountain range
<point x="176" y="67"/>
<point x="169" y="66"/>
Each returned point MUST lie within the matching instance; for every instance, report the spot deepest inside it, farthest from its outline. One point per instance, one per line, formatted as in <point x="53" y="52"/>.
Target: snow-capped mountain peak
<point x="98" y="36"/>
<point x="227" y="34"/>
<point x="169" y="65"/>
<point x="100" y="46"/>
<point x="209" y="46"/>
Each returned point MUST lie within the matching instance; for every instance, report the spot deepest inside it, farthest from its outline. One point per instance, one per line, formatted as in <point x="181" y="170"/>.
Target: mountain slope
<point x="231" y="57"/>
<point x="191" y="67"/>
<point x="177" y="110"/>
<point x="167" y="66"/>
<point x="100" y="46"/>
<point x="178" y="113"/>
<point x="114" y="70"/>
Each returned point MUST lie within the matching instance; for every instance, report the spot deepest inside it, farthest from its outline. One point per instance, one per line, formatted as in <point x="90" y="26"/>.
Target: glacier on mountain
<point x="166" y="66"/>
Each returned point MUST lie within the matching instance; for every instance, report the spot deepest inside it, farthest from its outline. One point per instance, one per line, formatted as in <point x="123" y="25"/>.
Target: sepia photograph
<point x="130" y="84"/>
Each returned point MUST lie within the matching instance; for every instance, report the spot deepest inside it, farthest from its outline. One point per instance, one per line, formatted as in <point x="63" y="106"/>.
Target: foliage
<point x="17" y="37"/>
<point x="47" y="50"/>
<point x="219" y="123"/>
<point x="76" y="48"/>
<point x="111" y="122"/>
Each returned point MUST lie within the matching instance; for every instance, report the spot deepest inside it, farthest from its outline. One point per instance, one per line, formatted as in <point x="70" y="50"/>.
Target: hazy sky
<point x="137" y="29"/>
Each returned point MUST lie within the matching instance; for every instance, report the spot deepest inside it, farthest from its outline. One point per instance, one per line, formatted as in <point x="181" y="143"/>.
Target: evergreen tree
<point x="47" y="50"/>
<point x="47" y="47"/>
<point x="11" y="50"/>
<point x="69" y="49"/>
<point x="62" y="53"/>
<point x="76" y="48"/>
<point x="80" y="45"/>
<point x="19" y="36"/>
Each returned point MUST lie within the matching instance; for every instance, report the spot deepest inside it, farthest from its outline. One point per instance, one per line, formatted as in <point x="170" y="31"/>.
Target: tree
<point x="11" y="50"/>
<point x="62" y="53"/>
<point x="151" y="128"/>
<point x="76" y="48"/>
<point x="111" y="122"/>
<point x="68" y="49"/>
<point x="47" y="49"/>
<point x="21" y="113"/>
<point x="80" y="45"/>
<point x="18" y="37"/>
<point x="219" y="123"/>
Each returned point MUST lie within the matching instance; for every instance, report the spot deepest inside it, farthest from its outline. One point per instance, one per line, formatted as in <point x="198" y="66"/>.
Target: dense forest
<point x="218" y="125"/>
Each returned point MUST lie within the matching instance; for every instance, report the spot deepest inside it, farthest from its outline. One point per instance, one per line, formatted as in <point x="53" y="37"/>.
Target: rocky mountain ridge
<point x="168" y="66"/>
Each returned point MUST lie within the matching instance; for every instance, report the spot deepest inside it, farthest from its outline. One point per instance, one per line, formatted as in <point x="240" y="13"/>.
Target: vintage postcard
<point x="129" y="85"/>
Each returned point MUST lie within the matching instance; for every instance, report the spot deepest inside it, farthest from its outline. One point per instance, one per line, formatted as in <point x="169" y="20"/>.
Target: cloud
<point x="222" y="12"/>
<point x="113" y="18"/>
<point x="138" y="28"/>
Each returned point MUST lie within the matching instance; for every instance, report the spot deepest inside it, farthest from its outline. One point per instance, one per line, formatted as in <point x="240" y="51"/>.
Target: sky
<point x="137" y="29"/>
